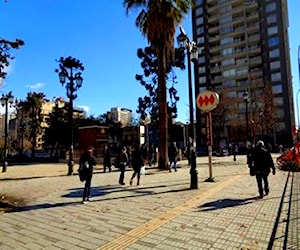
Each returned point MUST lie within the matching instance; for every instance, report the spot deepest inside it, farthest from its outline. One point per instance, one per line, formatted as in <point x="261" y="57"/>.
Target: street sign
<point x="207" y="100"/>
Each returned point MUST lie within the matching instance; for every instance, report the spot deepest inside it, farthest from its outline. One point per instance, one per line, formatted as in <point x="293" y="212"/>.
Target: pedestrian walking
<point x="106" y="159"/>
<point x="137" y="163"/>
<point x="188" y="153"/>
<point x="86" y="163"/>
<point x="262" y="164"/>
<point x="122" y="161"/>
<point x="173" y="156"/>
<point x="235" y="150"/>
<point x="144" y="152"/>
<point x="151" y="155"/>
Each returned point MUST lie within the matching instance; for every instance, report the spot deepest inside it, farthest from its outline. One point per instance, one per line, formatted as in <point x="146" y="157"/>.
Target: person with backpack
<point x="122" y="161"/>
<point x="86" y="163"/>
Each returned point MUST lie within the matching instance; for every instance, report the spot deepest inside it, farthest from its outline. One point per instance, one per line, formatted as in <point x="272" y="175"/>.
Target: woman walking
<point x="137" y="163"/>
<point x="86" y="163"/>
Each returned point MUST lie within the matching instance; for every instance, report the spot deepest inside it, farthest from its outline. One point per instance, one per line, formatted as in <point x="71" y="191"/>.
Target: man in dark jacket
<point x="86" y="163"/>
<point x="106" y="159"/>
<point x="137" y="163"/>
<point x="262" y="163"/>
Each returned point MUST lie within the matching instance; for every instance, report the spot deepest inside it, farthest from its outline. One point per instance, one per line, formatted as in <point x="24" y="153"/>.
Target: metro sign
<point x="207" y="100"/>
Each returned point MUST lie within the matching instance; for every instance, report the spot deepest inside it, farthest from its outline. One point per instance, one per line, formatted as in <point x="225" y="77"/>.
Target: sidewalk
<point x="162" y="213"/>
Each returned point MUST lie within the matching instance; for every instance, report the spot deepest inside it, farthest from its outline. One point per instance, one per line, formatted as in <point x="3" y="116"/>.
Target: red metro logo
<point x="207" y="100"/>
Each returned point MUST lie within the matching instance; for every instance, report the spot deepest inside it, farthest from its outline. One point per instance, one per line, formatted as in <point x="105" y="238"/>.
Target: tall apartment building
<point x="122" y="115"/>
<point x="245" y="49"/>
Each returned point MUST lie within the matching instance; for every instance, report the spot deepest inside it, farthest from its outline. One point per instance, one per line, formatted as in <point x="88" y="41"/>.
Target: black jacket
<point x="262" y="160"/>
<point x="87" y="162"/>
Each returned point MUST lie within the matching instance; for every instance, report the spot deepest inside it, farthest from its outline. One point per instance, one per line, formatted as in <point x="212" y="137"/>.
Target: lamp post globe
<point x="192" y="55"/>
<point x="6" y="100"/>
<point x="70" y="76"/>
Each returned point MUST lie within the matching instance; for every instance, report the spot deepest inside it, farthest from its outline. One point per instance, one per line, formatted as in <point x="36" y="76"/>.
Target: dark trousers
<point x="122" y="173"/>
<point x="260" y="178"/>
<point x="87" y="188"/>
<point x="106" y="165"/>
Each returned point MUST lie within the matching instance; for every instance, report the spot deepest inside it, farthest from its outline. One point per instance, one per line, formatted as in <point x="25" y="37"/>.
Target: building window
<point x="225" y="9"/>
<point x="275" y="77"/>
<point x="200" y="40"/>
<point x="273" y="41"/>
<point x="228" y="73"/>
<point x="275" y="65"/>
<point x="226" y="30"/>
<point x="226" y="40"/>
<point x="272" y="19"/>
<point x="274" y="53"/>
<point x="200" y="30"/>
<point x="242" y="71"/>
<point x="270" y="7"/>
<point x="281" y="126"/>
<point x="231" y="94"/>
<point x="201" y="59"/>
<point x="277" y="89"/>
<point x="278" y="101"/>
<point x="198" y="2"/>
<point x="272" y="30"/>
<point x="227" y="51"/>
<point x="225" y="19"/>
<point x="202" y="79"/>
<point x="229" y="61"/>
<point x="229" y="83"/>
<point x="199" y="20"/>
<point x="201" y="70"/>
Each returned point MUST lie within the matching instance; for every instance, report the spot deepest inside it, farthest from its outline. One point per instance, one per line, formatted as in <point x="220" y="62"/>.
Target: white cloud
<point x="38" y="85"/>
<point x="85" y="108"/>
<point x="8" y="70"/>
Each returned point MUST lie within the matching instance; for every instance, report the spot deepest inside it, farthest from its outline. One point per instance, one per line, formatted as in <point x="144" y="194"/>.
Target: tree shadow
<point x="225" y="203"/>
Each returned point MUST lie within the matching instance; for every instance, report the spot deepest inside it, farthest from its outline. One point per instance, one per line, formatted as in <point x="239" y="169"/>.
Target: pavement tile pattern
<point x="161" y="213"/>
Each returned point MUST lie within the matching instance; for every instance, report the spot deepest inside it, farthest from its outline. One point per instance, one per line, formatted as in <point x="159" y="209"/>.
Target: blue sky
<point x="104" y="39"/>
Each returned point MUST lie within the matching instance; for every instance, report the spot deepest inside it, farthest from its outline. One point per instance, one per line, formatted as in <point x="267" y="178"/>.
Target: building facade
<point x="122" y="115"/>
<point x="244" y="57"/>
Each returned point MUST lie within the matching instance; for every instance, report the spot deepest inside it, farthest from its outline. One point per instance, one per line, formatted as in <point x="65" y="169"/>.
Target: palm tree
<point x="157" y="21"/>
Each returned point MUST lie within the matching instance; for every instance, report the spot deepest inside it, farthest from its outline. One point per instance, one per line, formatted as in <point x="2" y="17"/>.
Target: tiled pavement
<point x="162" y="213"/>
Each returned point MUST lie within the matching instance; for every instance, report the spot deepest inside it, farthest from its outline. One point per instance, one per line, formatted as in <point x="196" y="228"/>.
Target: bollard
<point x="4" y="166"/>
<point x="193" y="171"/>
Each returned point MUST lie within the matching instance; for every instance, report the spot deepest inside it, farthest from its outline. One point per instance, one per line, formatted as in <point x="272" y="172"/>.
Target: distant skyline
<point x="105" y="40"/>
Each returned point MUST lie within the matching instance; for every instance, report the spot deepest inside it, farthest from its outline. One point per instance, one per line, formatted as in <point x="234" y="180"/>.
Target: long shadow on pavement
<point x="100" y="191"/>
<point x="224" y="203"/>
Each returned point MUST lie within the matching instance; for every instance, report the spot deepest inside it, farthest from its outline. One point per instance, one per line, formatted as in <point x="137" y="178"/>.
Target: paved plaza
<point x="161" y="213"/>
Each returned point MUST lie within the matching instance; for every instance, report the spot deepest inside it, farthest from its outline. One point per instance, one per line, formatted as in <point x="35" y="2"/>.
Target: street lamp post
<point x="246" y="100"/>
<point x="192" y="55"/>
<point x="5" y="101"/>
<point x="70" y="69"/>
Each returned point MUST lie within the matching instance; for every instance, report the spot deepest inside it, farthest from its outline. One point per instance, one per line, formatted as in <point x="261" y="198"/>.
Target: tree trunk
<point x="162" y="104"/>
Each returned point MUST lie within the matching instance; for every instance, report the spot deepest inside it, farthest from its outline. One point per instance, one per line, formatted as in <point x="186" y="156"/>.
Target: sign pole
<point x="206" y="102"/>
<point x="209" y="145"/>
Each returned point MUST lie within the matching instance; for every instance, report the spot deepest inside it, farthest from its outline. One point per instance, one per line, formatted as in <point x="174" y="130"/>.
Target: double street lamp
<point x="6" y="100"/>
<point x="192" y="55"/>
<point x="69" y="73"/>
<point x="246" y="99"/>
